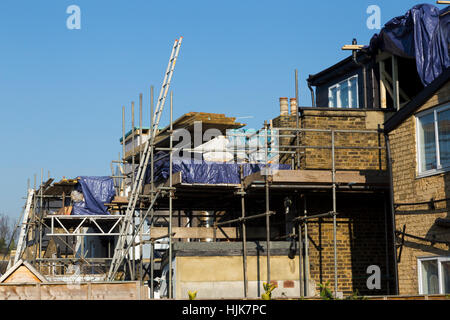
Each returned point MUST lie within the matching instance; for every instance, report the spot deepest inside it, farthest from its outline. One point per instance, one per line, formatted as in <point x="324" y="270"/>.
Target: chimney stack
<point x="294" y="107"/>
<point x="284" y="106"/>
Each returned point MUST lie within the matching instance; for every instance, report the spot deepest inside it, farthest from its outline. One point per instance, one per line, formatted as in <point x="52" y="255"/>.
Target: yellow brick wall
<point x="354" y="159"/>
<point x="361" y="242"/>
<point x="339" y="119"/>
<point x="361" y="233"/>
<point x="408" y="188"/>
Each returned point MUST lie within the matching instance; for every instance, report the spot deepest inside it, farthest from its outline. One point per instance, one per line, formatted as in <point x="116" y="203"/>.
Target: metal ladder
<point x="122" y="247"/>
<point x="23" y="227"/>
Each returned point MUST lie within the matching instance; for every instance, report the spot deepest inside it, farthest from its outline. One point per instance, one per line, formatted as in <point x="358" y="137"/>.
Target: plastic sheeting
<point x="423" y="34"/>
<point x="247" y="145"/>
<point x="204" y="172"/>
<point x="96" y="191"/>
<point x="215" y="150"/>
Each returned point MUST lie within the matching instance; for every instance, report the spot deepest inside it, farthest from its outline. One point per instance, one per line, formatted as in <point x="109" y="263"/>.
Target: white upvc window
<point x="344" y="94"/>
<point x="433" y="140"/>
<point x="434" y="275"/>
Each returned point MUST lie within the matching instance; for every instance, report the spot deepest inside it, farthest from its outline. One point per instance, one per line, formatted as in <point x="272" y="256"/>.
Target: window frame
<point x="338" y="93"/>
<point x="439" y="168"/>
<point x="439" y="259"/>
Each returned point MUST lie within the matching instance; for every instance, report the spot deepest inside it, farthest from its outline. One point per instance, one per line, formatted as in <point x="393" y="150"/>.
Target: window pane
<point x="444" y="137"/>
<point x="446" y="276"/>
<point x="353" y="92"/>
<point x="333" y="98"/>
<point x="427" y="143"/>
<point x="344" y="94"/>
<point x="430" y="280"/>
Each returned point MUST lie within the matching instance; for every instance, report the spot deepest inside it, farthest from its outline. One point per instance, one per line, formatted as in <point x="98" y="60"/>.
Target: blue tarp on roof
<point x="423" y="34"/>
<point x="204" y="172"/>
<point x="96" y="192"/>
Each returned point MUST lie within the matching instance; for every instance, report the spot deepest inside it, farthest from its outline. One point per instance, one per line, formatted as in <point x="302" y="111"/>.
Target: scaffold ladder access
<point x="122" y="247"/>
<point x="23" y="227"/>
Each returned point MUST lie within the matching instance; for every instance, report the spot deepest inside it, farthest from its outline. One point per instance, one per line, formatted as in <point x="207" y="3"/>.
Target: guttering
<point x="313" y="99"/>
<point x="363" y="66"/>
<point x="391" y="198"/>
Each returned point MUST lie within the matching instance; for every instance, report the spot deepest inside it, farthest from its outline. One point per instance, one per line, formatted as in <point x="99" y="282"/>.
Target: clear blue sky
<point x="62" y="91"/>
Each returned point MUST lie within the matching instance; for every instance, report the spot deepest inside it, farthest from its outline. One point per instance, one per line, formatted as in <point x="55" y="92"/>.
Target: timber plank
<point x="106" y="291"/>
<point x="70" y="291"/>
<point x="19" y="292"/>
<point x="320" y="177"/>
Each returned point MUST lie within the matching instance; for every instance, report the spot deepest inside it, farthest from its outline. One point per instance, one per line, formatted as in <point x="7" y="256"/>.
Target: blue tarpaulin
<point x="204" y="172"/>
<point x="423" y="34"/>
<point x="96" y="192"/>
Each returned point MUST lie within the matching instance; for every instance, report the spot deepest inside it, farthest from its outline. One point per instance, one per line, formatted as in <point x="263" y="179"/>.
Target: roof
<point x="214" y="120"/>
<point x="58" y="188"/>
<point x="187" y="121"/>
<point x="342" y="67"/>
<point x="16" y="266"/>
<point x="417" y="102"/>
<point x="421" y="34"/>
<point x="208" y="121"/>
<point x="398" y="37"/>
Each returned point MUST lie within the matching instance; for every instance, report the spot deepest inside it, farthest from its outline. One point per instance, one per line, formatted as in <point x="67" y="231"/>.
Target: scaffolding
<point x="136" y="219"/>
<point x="299" y="233"/>
<point x="43" y="226"/>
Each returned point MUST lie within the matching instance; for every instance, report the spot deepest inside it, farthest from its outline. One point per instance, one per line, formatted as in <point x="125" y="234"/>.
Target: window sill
<point x="432" y="172"/>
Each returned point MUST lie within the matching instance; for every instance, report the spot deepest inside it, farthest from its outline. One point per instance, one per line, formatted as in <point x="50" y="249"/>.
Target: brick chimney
<point x="284" y="106"/>
<point x="294" y="107"/>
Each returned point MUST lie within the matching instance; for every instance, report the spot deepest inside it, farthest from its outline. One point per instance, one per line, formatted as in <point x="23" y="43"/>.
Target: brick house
<point x="382" y="85"/>
<point x="420" y="154"/>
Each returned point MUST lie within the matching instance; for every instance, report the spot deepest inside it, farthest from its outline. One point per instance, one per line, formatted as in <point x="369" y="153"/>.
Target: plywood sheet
<point x="73" y="291"/>
<point x="22" y="275"/>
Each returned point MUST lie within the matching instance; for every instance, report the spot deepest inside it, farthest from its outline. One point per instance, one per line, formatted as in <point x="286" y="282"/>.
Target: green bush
<point x="325" y="291"/>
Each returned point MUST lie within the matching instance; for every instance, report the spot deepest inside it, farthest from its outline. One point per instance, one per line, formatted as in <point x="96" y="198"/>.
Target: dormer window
<point x="344" y="94"/>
